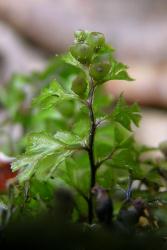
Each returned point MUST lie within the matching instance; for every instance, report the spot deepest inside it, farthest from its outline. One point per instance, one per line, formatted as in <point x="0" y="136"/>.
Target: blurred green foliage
<point x="55" y="120"/>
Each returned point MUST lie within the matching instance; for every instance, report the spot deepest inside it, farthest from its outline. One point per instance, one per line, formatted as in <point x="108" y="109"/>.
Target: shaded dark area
<point x="54" y="230"/>
<point x="50" y="233"/>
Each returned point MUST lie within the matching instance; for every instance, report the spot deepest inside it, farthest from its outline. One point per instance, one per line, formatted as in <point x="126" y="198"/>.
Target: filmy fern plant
<point x="93" y="142"/>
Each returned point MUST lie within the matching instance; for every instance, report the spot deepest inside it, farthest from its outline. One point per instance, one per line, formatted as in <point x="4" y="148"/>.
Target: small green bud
<point x="103" y="57"/>
<point x="82" y="52"/>
<point x="100" y="66"/>
<point x="98" y="71"/>
<point x="80" y="35"/>
<point x="96" y="40"/>
<point x="163" y="148"/>
<point x="79" y="85"/>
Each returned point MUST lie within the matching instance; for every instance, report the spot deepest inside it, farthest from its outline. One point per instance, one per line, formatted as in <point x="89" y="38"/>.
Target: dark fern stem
<point x="91" y="150"/>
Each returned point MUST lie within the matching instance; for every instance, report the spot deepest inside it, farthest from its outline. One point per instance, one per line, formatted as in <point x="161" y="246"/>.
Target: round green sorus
<point x="100" y="66"/>
<point x="103" y="57"/>
<point x="163" y="148"/>
<point x="83" y="52"/>
<point x="96" y="40"/>
<point x="80" y="35"/>
<point x="99" y="70"/>
<point x="79" y="85"/>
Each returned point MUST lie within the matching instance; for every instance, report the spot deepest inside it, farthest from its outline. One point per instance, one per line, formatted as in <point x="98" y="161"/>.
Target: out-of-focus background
<point x="31" y="31"/>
